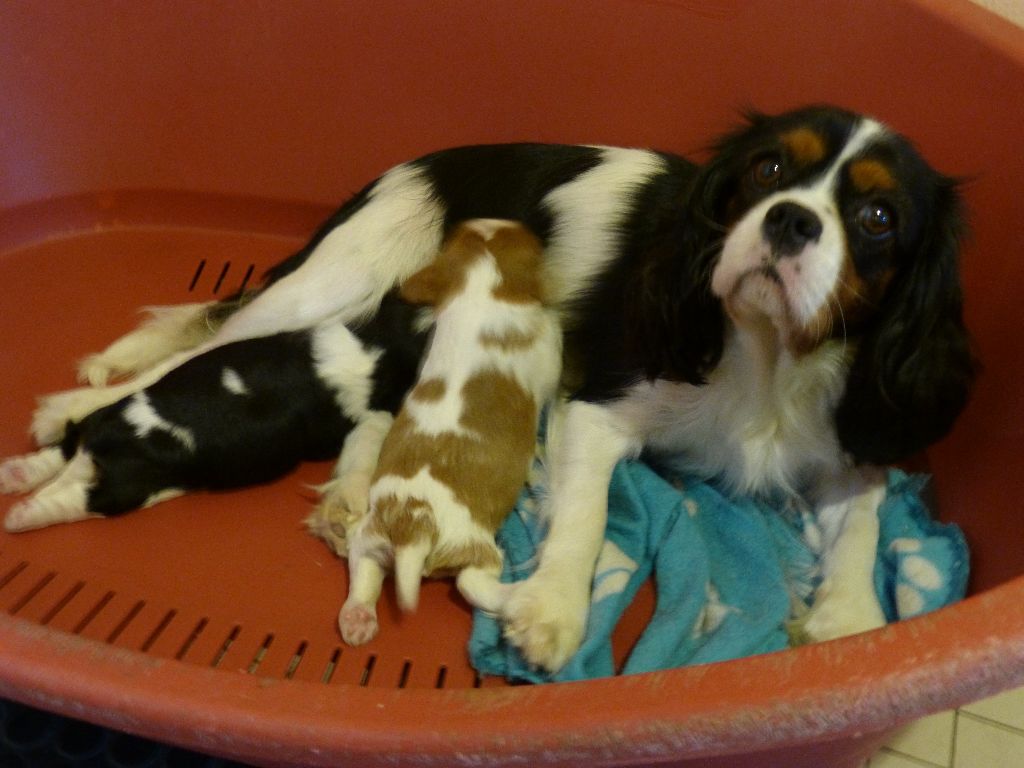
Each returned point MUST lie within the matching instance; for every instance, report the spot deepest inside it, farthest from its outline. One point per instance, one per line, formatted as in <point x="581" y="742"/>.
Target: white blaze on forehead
<point x="859" y="140"/>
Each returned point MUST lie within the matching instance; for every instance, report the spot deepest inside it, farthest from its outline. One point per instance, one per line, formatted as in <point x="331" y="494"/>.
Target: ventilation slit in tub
<point x="191" y="639"/>
<point x="403" y="678"/>
<point x="368" y="670"/>
<point x="62" y="603"/>
<point x="228" y="642"/>
<point x="123" y="625"/>
<point x="442" y="676"/>
<point x="29" y="596"/>
<point x="220" y="279"/>
<point x="247" y="278"/>
<point x="93" y="613"/>
<point x="155" y="634"/>
<point x="197" y="275"/>
<point x="12" y="574"/>
<point x="332" y="665"/>
<point x="296" y="660"/>
<point x="258" y="658"/>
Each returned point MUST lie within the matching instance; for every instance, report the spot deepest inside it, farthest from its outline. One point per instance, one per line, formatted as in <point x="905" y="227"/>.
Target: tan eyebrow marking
<point x="806" y="146"/>
<point x="869" y="175"/>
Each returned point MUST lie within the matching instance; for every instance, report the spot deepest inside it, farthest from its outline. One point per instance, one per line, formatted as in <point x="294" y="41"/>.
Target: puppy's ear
<point x="428" y="286"/>
<point x="912" y="372"/>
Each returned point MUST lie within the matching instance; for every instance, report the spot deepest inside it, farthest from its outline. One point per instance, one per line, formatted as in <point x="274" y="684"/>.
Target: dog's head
<point x="511" y="253"/>
<point x="836" y="228"/>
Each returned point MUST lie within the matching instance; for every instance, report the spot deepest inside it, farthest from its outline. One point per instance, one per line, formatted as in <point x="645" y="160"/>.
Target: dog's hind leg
<point x="63" y="500"/>
<point x="21" y="474"/>
<point x="164" y="332"/>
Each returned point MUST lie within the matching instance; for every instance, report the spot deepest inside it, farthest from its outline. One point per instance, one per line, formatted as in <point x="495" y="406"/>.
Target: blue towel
<point x="730" y="573"/>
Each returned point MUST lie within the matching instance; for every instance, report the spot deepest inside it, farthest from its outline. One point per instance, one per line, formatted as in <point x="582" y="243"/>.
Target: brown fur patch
<point x="403" y="522"/>
<point x="449" y="561"/>
<point x="518" y="256"/>
<point x="429" y="391"/>
<point x="487" y="473"/>
<point x="806" y="146"/>
<point x="871" y="175"/>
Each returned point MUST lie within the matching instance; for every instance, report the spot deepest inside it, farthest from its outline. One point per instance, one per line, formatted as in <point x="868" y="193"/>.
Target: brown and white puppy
<point x="458" y="453"/>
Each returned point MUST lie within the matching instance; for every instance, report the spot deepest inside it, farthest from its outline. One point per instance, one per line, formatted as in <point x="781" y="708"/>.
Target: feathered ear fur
<point x="913" y="370"/>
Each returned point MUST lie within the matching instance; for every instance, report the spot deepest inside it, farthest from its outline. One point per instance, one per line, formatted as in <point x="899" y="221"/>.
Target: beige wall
<point x="1010" y="9"/>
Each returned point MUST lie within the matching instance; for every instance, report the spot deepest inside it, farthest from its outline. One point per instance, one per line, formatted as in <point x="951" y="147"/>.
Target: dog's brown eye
<point x="767" y="171"/>
<point x="876" y="220"/>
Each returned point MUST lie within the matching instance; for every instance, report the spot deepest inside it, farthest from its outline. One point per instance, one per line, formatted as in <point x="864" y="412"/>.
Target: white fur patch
<point x="759" y="424"/>
<point x="394" y="234"/>
<point x="344" y="365"/>
<point x="588" y="213"/>
<point x="143" y="418"/>
<point x="233" y="382"/>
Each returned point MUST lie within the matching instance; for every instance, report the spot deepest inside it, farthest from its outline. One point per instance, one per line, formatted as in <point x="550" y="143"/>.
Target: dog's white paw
<point x="36" y="513"/>
<point x="21" y="474"/>
<point x="358" y="623"/>
<point x="836" y="614"/>
<point x="546" y="618"/>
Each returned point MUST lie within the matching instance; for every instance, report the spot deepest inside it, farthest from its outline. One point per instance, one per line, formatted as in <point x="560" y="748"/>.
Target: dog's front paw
<point x="546" y="618"/>
<point x="358" y="624"/>
<point x="21" y="474"/>
<point x="837" y="614"/>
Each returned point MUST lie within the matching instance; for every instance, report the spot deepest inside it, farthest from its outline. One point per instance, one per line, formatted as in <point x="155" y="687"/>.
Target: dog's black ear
<point x="913" y="369"/>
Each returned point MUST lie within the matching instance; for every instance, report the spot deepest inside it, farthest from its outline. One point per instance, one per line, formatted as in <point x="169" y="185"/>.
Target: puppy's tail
<point x="410" y="560"/>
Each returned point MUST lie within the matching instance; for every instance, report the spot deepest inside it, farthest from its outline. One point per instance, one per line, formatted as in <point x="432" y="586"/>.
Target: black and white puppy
<point x="783" y="317"/>
<point x="239" y="414"/>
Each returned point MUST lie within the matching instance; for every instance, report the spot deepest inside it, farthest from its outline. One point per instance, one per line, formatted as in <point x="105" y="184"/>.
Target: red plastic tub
<point x="168" y="151"/>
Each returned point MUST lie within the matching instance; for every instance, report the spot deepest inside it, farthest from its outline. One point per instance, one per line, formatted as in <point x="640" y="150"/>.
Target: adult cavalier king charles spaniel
<point x="785" y="318"/>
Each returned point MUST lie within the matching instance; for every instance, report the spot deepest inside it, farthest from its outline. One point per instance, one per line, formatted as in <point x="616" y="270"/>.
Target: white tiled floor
<point x="988" y="734"/>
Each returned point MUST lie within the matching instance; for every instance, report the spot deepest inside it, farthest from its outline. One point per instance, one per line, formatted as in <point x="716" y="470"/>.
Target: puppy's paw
<point x="837" y="614"/>
<point x="358" y="624"/>
<point x="344" y="502"/>
<point x="546" y="619"/>
<point x="323" y="526"/>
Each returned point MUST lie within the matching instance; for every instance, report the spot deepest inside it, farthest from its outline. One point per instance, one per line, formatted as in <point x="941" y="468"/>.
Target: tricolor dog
<point x="785" y="316"/>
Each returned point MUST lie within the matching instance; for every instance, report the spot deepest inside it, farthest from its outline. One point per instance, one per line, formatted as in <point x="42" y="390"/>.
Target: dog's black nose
<point x="788" y="227"/>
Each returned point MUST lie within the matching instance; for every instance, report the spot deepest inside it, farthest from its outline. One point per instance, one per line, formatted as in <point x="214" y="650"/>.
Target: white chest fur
<point x="762" y="423"/>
